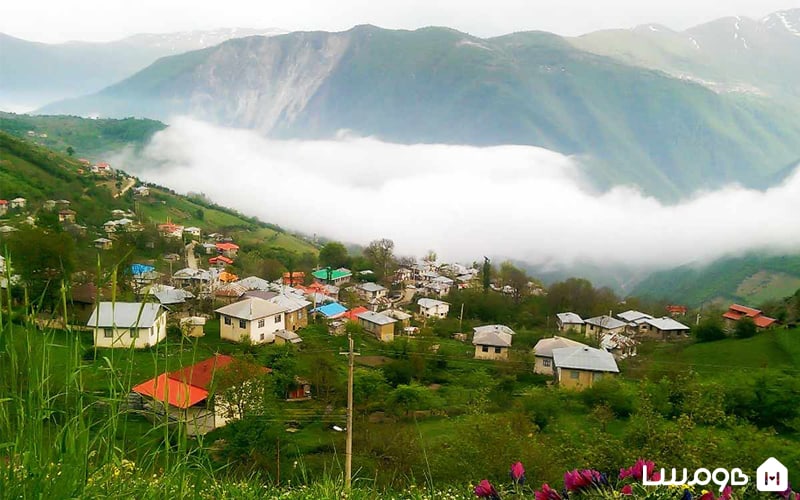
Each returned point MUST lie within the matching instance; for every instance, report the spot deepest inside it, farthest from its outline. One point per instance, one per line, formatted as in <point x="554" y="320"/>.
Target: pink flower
<point x="626" y="490"/>
<point x="546" y="493"/>
<point x="484" y="489"/>
<point x="577" y="480"/>
<point x="636" y="471"/>
<point x="726" y="493"/>
<point x="518" y="473"/>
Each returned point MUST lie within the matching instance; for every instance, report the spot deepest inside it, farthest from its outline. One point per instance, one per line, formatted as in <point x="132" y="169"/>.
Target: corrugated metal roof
<point x="124" y="315"/>
<point x="254" y="283"/>
<point x="371" y="287"/>
<point x="632" y="315"/>
<point x="667" y="324"/>
<point x="569" y="318"/>
<point x="291" y="304"/>
<point x="251" y="308"/>
<point x="606" y="322"/>
<point x="332" y="310"/>
<point x="584" y="358"/>
<point x="429" y="303"/>
<point x="377" y="318"/>
<point x="493" y="328"/>
<point x="544" y="348"/>
<point x="494" y="338"/>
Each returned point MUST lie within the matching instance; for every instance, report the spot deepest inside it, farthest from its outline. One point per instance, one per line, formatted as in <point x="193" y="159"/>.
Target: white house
<point x="569" y="321"/>
<point x="664" y="328"/>
<point x="126" y="324"/>
<point x="432" y="308"/>
<point x="254" y="318"/>
<point x="492" y="341"/>
<point x="543" y="353"/>
<point x="600" y="325"/>
<point x="192" y="230"/>
<point x="371" y="291"/>
<point x="18" y="203"/>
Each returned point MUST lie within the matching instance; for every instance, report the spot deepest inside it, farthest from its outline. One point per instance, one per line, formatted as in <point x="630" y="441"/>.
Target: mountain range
<point x="36" y="73"/>
<point x="671" y="112"/>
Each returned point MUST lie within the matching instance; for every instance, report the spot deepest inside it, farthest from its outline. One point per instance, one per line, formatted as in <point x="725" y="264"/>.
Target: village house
<point x="220" y="261"/>
<point x="736" y="312"/>
<point x="353" y="313"/>
<point x="296" y="310"/>
<point x="192" y="326"/>
<point x="432" y="308"/>
<point x="229" y="293"/>
<point x="141" y="191"/>
<point x="336" y="277"/>
<point x="287" y="337"/>
<point x="170" y="230"/>
<point x="334" y="310"/>
<point x="173" y="297"/>
<point x="49" y="205"/>
<point x="18" y="203"/>
<point x="371" y="292"/>
<point x="66" y="216"/>
<point x="492" y="341"/>
<point x="543" y="353"/>
<point x="3" y="207"/>
<point x="569" y="321"/>
<point x="295" y="278"/>
<point x="254" y="283"/>
<point x="402" y="317"/>
<point x="580" y="367"/>
<point x="379" y="325"/>
<point x="299" y="391"/>
<point x="664" y="328"/>
<point x="84" y="299"/>
<point x="187" y="395"/>
<point x="192" y="231"/>
<point x="403" y="275"/>
<point x="636" y="321"/>
<point x="230" y="250"/>
<point x="677" y="310"/>
<point x="103" y="243"/>
<point x="620" y="346"/>
<point x="251" y="318"/>
<point x="126" y="324"/>
<point x="600" y="325"/>
<point x="191" y="278"/>
<point x="102" y="168"/>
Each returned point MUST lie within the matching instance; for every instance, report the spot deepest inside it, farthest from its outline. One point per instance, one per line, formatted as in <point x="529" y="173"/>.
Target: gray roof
<point x="371" y="287"/>
<point x="291" y="303"/>
<point x="175" y="296"/>
<point x="250" y="309"/>
<point x="493" y="328"/>
<point x="254" y="283"/>
<point x="630" y="316"/>
<point x="289" y="336"/>
<point x="396" y="314"/>
<point x="569" y="318"/>
<point x="377" y="318"/>
<point x="124" y="314"/>
<point x="544" y="348"/>
<point x="443" y="280"/>
<point x="605" y="322"/>
<point x="667" y="324"/>
<point x="584" y="358"/>
<point x="492" y="337"/>
<point x="260" y="294"/>
<point x="428" y="303"/>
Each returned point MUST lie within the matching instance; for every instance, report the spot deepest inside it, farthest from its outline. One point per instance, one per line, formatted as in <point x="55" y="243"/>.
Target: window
<point x="108" y="332"/>
<point x="596" y="376"/>
<point x="497" y="350"/>
<point x="574" y="374"/>
<point x="227" y="320"/>
<point x="242" y="324"/>
<point x="485" y="348"/>
<point x="134" y="333"/>
<point x="261" y="325"/>
<point x="262" y="335"/>
<point x="546" y="362"/>
<point x="278" y="318"/>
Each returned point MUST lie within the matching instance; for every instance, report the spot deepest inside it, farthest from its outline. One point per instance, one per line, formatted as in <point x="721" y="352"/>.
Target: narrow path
<point x="129" y="184"/>
<point x="191" y="260"/>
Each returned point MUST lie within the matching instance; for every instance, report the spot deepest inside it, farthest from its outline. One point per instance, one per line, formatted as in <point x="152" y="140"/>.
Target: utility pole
<point x="461" y="318"/>
<point x="348" y="453"/>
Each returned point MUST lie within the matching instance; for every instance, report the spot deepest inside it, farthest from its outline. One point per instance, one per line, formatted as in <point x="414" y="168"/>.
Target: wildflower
<point x="484" y="489"/>
<point x="636" y="470"/>
<point x="626" y="490"/>
<point x="547" y="493"/>
<point x="517" y="474"/>
<point x="578" y="480"/>
<point x="687" y="495"/>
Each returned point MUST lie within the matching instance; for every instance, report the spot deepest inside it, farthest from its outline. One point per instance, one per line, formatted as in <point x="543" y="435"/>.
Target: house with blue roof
<point x="331" y="311"/>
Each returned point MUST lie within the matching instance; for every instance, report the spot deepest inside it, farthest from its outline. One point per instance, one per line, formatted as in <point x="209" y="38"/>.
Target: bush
<point x="709" y="330"/>
<point x="745" y="328"/>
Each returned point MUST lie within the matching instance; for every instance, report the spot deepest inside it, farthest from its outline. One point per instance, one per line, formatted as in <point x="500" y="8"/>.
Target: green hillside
<point x="91" y="139"/>
<point x="752" y="279"/>
<point x="436" y="85"/>
<point x="38" y="174"/>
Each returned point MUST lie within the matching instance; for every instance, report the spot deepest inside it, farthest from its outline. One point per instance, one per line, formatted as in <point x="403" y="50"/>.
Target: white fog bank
<point x="464" y="202"/>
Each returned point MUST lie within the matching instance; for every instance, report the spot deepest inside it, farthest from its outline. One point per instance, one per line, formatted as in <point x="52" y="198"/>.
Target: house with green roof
<point x="330" y="276"/>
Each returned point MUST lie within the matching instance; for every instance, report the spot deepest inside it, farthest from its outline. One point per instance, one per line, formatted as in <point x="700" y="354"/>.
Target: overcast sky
<point x="99" y="20"/>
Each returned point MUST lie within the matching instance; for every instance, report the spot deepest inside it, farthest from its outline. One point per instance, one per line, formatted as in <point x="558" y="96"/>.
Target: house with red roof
<point x="736" y="312"/>
<point x="171" y="230"/>
<point x="676" y="310"/>
<point x="192" y="395"/>
<point x="229" y="250"/>
<point x="220" y="261"/>
<point x="3" y="207"/>
<point x="296" y="278"/>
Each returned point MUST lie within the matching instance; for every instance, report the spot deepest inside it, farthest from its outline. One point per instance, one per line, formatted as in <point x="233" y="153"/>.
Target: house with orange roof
<point x="3" y="207"/>
<point x="220" y="261"/>
<point x="229" y="250"/>
<point x="296" y="278"/>
<point x="170" y="230"/>
<point x="352" y="314"/>
<point x="676" y="310"/>
<point x="736" y="312"/>
<point x="193" y="396"/>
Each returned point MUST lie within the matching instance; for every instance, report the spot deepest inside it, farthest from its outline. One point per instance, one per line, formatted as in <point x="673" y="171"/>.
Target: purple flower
<point x="517" y="474"/>
<point x="578" y="480"/>
<point x="635" y="471"/>
<point x="484" y="489"/>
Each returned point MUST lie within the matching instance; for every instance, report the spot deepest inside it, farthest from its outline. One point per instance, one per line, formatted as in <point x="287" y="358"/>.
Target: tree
<point x="70" y="150"/>
<point x="243" y="388"/>
<point x="200" y="214"/>
<point x="511" y="275"/>
<point x="333" y="254"/>
<point x="44" y="260"/>
<point x="380" y="254"/>
<point x="487" y="274"/>
<point x="745" y="328"/>
<point x="709" y="330"/>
